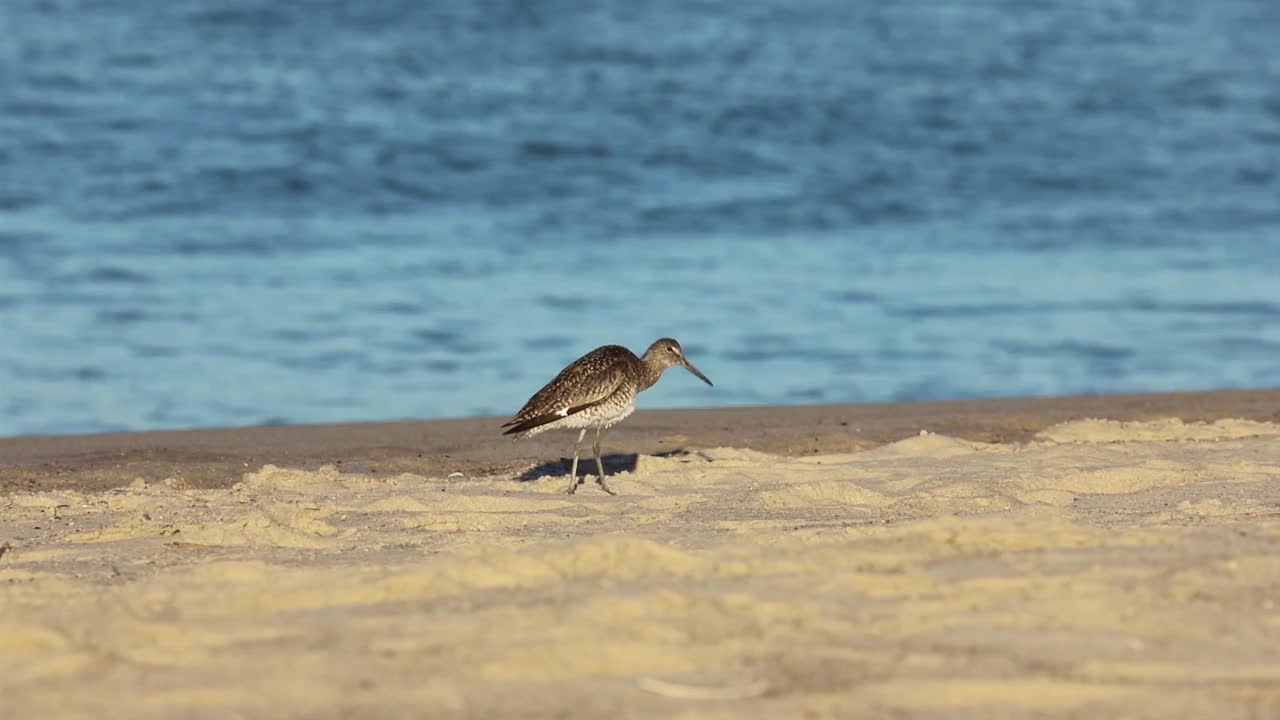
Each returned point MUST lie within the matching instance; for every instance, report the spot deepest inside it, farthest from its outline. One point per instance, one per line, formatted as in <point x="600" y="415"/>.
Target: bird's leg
<point x="600" y="464"/>
<point x="573" y="470"/>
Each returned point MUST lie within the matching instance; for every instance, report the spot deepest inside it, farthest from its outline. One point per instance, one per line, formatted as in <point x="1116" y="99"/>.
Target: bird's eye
<point x="671" y="348"/>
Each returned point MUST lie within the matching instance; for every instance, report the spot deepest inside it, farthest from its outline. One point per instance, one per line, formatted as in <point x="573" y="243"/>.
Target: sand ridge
<point x="1100" y="569"/>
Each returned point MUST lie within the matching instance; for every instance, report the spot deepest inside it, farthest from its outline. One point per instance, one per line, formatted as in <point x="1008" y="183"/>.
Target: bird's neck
<point x="650" y="371"/>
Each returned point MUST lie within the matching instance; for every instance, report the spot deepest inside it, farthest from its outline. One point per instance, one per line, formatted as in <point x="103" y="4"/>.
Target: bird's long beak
<point x="689" y="366"/>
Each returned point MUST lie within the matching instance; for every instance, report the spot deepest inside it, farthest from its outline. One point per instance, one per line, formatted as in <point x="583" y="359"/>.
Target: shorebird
<point x="596" y="391"/>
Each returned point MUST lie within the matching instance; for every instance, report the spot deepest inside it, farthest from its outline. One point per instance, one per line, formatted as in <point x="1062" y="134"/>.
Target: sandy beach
<point x="1107" y="556"/>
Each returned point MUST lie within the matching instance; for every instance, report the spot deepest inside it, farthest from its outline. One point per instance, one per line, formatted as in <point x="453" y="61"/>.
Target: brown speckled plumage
<point x="597" y="391"/>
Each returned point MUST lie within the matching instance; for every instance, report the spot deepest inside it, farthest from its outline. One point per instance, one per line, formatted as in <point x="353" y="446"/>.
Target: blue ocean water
<point x="233" y="212"/>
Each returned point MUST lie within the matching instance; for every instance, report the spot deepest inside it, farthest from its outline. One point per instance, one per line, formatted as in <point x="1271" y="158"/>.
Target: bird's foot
<point x="573" y="486"/>
<point x="603" y="486"/>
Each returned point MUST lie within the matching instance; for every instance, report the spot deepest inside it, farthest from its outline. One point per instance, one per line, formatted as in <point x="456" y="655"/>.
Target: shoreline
<point x="208" y="458"/>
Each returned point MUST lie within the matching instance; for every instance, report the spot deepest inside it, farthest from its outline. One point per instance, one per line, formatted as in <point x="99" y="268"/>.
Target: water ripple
<point x="263" y="212"/>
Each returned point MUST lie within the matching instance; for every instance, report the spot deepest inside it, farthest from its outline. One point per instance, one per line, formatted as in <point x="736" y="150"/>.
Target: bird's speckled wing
<point x="589" y="380"/>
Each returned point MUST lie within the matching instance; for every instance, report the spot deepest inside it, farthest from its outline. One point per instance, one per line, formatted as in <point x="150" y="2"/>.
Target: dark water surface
<point x="217" y="213"/>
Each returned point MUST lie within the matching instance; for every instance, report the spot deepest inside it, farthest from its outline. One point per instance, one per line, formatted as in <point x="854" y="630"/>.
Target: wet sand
<point x="474" y="446"/>
<point x="1014" y="559"/>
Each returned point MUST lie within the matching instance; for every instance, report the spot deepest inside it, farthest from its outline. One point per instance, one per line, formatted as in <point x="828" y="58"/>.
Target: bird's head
<point x="666" y="352"/>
